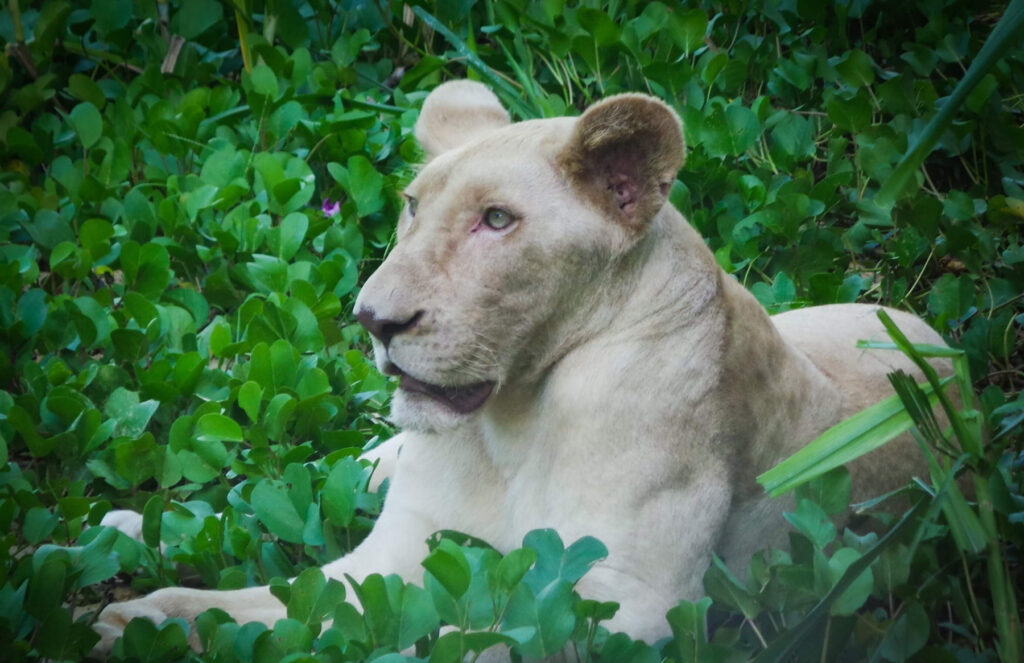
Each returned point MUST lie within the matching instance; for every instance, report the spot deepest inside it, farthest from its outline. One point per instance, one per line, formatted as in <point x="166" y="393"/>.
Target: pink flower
<point x="331" y="208"/>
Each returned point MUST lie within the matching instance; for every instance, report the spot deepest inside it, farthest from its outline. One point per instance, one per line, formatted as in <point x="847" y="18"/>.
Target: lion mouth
<point x="464" y="399"/>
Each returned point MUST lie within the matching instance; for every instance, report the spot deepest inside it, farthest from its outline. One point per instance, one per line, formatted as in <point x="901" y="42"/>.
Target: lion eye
<point x="497" y="219"/>
<point x="410" y="204"/>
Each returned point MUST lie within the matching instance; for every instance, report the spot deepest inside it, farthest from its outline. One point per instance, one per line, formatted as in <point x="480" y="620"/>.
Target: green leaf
<point x="831" y="491"/>
<point x="549" y="613"/>
<point x="87" y="123"/>
<point x="154" y="273"/>
<point x="84" y="89"/>
<point x="418" y="617"/>
<point x="131" y="415"/>
<point x="217" y="427"/>
<point x="338" y="494"/>
<point x="980" y="95"/>
<point x="292" y="233"/>
<point x="269" y="271"/>
<point x="313" y="383"/>
<point x="194" y="17"/>
<point x="726" y="589"/>
<point x="856" y="69"/>
<point x="145" y="642"/>
<point x="187" y="371"/>
<point x="454" y="647"/>
<point x="688" y="622"/>
<point x="850" y="112"/>
<point x="580" y="556"/>
<point x="447" y="563"/>
<point x="141" y="308"/>
<point x="754" y="191"/>
<point x="97" y="317"/>
<point x="859" y="590"/>
<point x="250" y="395"/>
<point x="365" y="185"/>
<point x="951" y="297"/>
<point x="600" y="26"/>
<point x="313" y="598"/>
<point x="264" y="82"/>
<point x="275" y="510"/>
<point x="200" y="199"/>
<point x="32" y="310"/>
<point x="152" y="517"/>
<point x="907" y="635"/>
<point x="220" y="337"/>
<point x="794" y="136"/>
<point x="46" y="587"/>
<point x="813" y="522"/>
<point x="39" y="524"/>
<point x="730" y="131"/>
<point x="688" y="28"/>
<point x="278" y="414"/>
<point x="513" y="567"/>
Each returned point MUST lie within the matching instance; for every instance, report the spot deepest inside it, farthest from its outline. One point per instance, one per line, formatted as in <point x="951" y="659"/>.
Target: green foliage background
<point x="175" y="299"/>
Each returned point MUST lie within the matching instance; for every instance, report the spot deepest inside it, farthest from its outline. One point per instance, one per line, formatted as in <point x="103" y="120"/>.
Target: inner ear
<point x="624" y="154"/>
<point x="456" y="113"/>
<point x="623" y="178"/>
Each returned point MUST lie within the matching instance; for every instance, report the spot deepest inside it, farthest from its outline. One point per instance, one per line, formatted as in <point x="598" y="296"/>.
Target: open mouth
<point x="464" y="399"/>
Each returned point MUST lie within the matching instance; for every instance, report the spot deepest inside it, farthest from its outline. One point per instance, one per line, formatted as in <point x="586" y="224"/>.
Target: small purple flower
<point x="331" y="208"/>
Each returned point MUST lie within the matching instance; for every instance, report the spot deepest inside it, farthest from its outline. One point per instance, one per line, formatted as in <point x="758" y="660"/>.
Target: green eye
<point x="497" y="219"/>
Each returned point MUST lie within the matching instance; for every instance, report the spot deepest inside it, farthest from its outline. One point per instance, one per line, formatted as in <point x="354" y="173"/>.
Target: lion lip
<point x="464" y="399"/>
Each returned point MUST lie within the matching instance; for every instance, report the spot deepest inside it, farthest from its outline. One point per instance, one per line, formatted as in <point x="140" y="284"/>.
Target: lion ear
<point x="455" y="113"/>
<point x="624" y="153"/>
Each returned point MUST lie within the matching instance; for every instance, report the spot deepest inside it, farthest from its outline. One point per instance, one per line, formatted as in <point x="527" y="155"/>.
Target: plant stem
<point x="824" y="644"/>
<point x="1004" y="603"/>
<point x="243" y="38"/>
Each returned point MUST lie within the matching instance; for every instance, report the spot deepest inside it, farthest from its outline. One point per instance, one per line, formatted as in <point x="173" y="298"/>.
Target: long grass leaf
<point x="963" y="522"/>
<point x="846" y="441"/>
<point x="925" y="349"/>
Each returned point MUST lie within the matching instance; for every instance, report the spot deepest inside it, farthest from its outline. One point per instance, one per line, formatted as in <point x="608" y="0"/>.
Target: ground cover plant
<point x="193" y="190"/>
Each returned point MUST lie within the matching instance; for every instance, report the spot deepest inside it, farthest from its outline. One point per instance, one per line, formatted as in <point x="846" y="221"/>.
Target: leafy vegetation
<point x="193" y="190"/>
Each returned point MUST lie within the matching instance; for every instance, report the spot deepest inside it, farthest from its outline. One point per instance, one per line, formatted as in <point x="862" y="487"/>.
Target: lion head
<point x="513" y="237"/>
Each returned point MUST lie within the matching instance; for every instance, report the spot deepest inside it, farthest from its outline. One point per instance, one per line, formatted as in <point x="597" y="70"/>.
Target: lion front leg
<point x="661" y="555"/>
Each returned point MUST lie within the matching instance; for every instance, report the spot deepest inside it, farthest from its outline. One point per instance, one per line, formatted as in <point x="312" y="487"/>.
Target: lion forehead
<point x="492" y="159"/>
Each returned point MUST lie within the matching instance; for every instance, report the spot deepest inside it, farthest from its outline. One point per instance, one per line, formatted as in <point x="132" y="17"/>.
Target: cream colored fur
<point x="639" y="390"/>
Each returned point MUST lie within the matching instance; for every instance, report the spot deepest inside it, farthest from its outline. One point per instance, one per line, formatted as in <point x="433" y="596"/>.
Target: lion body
<point x="631" y="390"/>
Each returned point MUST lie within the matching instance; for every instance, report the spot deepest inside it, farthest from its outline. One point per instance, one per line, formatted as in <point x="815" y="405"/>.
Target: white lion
<point x="570" y="356"/>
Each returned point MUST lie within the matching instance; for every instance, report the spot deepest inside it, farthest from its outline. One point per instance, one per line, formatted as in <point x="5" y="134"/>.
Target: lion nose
<point x="385" y="328"/>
